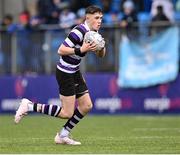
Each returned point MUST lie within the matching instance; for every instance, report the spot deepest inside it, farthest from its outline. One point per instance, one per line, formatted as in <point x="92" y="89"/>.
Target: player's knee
<point x="87" y="107"/>
<point x="66" y="114"/>
<point x="90" y="106"/>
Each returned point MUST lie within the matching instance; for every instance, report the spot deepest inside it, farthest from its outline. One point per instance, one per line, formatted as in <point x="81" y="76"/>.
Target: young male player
<point x="71" y="83"/>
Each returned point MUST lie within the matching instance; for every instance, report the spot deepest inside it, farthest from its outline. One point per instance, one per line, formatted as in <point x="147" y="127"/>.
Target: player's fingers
<point x="94" y="48"/>
<point x="93" y="45"/>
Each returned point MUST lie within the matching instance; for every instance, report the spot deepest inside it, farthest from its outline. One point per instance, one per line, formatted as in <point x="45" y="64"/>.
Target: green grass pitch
<point x="98" y="134"/>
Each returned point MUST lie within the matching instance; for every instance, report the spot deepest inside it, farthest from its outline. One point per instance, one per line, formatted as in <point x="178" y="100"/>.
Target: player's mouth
<point x="98" y="26"/>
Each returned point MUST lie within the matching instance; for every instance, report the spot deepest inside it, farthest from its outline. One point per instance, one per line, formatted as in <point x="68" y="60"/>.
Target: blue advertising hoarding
<point x="107" y="97"/>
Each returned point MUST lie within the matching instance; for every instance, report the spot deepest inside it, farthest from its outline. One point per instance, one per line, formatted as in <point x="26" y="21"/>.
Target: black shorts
<point x="71" y="83"/>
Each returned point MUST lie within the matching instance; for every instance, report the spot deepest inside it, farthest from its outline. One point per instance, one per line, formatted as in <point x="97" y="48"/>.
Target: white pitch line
<point x="23" y="139"/>
<point x="155" y="137"/>
<point x="156" y="129"/>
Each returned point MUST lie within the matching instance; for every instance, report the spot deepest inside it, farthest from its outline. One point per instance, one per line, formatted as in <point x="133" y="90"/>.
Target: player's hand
<point x="101" y="53"/>
<point x="87" y="47"/>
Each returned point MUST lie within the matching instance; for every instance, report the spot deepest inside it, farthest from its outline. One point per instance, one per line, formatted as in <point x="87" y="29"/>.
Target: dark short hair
<point x="9" y="17"/>
<point x="160" y="7"/>
<point x="93" y="9"/>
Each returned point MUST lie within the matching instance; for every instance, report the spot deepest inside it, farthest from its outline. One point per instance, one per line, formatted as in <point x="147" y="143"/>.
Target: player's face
<point x="95" y="20"/>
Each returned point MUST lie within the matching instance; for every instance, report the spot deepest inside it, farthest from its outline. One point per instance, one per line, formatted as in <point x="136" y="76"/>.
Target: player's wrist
<point x="78" y="52"/>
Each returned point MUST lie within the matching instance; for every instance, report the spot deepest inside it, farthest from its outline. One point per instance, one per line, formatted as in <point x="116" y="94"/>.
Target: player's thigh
<point x="84" y="103"/>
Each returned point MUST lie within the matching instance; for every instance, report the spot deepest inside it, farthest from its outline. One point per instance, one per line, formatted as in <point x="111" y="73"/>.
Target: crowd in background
<point x="68" y="13"/>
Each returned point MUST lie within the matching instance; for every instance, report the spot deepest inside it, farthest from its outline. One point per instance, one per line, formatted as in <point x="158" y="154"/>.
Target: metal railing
<point x="36" y="51"/>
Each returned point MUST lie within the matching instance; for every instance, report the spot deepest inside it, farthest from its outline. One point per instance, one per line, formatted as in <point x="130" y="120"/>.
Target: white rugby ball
<point x="91" y="36"/>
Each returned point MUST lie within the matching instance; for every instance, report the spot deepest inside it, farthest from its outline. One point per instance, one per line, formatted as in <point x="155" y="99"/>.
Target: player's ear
<point x="88" y="16"/>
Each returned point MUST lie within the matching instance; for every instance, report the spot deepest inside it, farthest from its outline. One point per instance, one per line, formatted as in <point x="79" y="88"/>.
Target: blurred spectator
<point x="112" y="18"/>
<point x="48" y="11"/>
<point x="106" y="5"/>
<point x="160" y="16"/>
<point x="8" y="24"/>
<point x="138" y="5"/>
<point x="61" y="4"/>
<point x="8" y="27"/>
<point x="160" y="20"/>
<point x="167" y="7"/>
<point x="24" y="42"/>
<point x="67" y="18"/>
<point x="35" y="21"/>
<point x="80" y="16"/>
<point x="147" y="5"/>
<point x="24" y="21"/>
<point x="128" y="19"/>
<point x="37" y="37"/>
<point x="78" y="4"/>
<point x="115" y="6"/>
<point x="111" y="15"/>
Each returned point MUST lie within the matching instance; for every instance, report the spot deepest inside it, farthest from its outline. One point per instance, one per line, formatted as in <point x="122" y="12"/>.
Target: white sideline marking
<point x="154" y="118"/>
<point x="23" y="139"/>
<point x="156" y="129"/>
<point x="155" y="137"/>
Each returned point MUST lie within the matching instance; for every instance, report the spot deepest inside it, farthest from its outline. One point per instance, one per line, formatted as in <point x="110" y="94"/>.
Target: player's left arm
<point x="101" y="53"/>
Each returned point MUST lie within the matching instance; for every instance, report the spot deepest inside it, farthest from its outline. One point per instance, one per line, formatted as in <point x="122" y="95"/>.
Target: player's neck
<point x="88" y="25"/>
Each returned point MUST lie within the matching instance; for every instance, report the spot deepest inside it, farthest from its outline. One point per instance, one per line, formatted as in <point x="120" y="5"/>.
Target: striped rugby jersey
<point x="71" y="63"/>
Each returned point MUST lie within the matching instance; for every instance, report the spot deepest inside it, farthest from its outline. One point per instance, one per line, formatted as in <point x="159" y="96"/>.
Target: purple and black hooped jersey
<point x="70" y="63"/>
